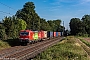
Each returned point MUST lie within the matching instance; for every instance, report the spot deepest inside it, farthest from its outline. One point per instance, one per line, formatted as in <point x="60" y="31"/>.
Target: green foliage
<point x="13" y="25"/>
<point x="3" y="35"/>
<point x="77" y="26"/>
<point x="68" y="49"/>
<point x="21" y="24"/>
<point x="82" y="34"/>
<point x="51" y="24"/>
<point x="55" y="25"/>
<point x="4" y="45"/>
<point x="86" y="22"/>
<point x="9" y="43"/>
<point x="44" y="25"/>
<point x="28" y="14"/>
<point x="7" y="23"/>
<point x="80" y="27"/>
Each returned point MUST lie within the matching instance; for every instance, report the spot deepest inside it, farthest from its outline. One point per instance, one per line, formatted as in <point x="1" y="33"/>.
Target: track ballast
<point x="27" y="52"/>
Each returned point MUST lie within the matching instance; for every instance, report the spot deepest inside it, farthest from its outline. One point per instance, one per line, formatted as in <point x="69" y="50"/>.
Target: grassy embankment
<point x="8" y="43"/>
<point x="4" y="45"/>
<point x="68" y="49"/>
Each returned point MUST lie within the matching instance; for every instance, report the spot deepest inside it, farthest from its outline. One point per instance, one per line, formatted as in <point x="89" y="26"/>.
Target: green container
<point x="35" y="35"/>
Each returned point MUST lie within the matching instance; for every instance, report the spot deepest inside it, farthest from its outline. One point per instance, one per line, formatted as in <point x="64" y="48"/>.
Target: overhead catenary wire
<point x="3" y="12"/>
<point x="6" y="12"/>
<point x="7" y="6"/>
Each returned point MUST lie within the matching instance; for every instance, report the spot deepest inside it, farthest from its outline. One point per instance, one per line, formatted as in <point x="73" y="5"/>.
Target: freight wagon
<point x="40" y="35"/>
<point x="49" y="34"/>
<point x="45" y="35"/>
<point x="59" y="33"/>
<point x="54" y="34"/>
<point x="28" y="36"/>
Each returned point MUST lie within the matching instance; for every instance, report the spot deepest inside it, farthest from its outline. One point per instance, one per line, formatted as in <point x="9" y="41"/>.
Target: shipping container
<point x="45" y="34"/>
<point x="41" y="35"/>
<point x="49" y="34"/>
<point x="54" y="34"/>
<point x="35" y="36"/>
<point x="59" y="33"/>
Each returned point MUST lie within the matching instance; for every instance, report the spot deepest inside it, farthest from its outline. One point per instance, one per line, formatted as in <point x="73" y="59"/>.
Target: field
<point x="67" y="49"/>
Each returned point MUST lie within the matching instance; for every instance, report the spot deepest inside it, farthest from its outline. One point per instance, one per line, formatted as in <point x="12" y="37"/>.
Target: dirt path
<point x="87" y="39"/>
<point x="84" y="46"/>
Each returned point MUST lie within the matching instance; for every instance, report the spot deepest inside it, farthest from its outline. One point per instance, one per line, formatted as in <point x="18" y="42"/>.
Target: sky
<point x="64" y="10"/>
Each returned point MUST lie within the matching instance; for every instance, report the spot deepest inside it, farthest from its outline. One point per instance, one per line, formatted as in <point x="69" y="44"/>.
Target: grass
<point x="3" y="45"/>
<point x="68" y="49"/>
<point x="85" y="46"/>
<point x="84" y="41"/>
<point x="9" y="43"/>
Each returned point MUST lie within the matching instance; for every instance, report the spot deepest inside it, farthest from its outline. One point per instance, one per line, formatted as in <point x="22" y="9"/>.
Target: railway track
<point x="27" y="52"/>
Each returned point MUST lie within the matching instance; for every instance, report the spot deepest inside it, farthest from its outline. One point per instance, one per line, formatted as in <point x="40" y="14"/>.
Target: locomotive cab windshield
<point x="24" y="33"/>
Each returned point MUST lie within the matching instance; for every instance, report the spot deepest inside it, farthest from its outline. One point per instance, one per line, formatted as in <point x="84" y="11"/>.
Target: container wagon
<point x="40" y="35"/>
<point x="45" y="35"/>
<point x="56" y="34"/>
<point x="49" y="34"/>
<point x="59" y="34"/>
<point x="35" y="36"/>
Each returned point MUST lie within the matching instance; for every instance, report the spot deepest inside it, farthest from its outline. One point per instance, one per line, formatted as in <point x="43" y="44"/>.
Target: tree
<point x="28" y="14"/>
<point x="86" y="21"/>
<point x="19" y="24"/>
<point x="44" y="25"/>
<point x="13" y="25"/>
<point x="3" y="35"/>
<point x="8" y="23"/>
<point x="76" y="26"/>
<point x="55" y="25"/>
<point x="51" y="24"/>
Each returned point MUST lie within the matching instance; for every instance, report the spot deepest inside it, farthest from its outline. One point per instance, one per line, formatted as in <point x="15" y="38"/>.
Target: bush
<point x="82" y="34"/>
<point x="3" y="35"/>
<point x="4" y="45"/>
